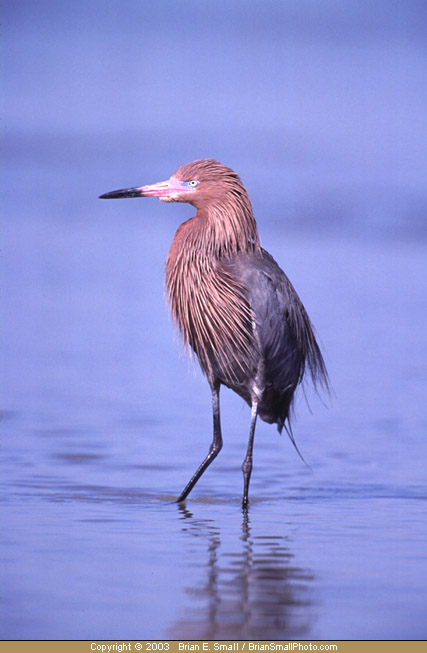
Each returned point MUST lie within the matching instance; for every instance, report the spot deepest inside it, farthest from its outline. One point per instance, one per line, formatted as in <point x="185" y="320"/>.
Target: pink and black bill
<point x="163" y="189"/>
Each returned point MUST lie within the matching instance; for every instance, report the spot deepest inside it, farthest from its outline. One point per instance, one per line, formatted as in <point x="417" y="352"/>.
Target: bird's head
<point x="201" y="183"/>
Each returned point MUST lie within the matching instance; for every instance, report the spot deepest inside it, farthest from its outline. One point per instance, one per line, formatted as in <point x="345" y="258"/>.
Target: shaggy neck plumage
<point x="227" y="226"/>
<point x="217" y="331"/>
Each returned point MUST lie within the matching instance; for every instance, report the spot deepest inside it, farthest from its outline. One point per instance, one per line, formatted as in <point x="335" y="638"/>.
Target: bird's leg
<point x="215" y="447"/>
<point x="247" y="463"/>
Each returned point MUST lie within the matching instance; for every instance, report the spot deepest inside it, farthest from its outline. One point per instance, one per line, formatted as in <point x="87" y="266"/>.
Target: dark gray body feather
<point x="284" y="344"/>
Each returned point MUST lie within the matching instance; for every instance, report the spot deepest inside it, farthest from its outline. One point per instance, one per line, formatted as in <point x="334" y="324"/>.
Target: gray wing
<point x="285" y="334"/>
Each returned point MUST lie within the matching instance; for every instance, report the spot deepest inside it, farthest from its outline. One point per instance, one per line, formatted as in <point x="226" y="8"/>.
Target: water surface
<point x="107" y="422"/>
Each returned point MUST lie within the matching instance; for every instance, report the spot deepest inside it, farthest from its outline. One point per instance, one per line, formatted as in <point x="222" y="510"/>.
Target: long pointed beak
<point x="162" y="189"/>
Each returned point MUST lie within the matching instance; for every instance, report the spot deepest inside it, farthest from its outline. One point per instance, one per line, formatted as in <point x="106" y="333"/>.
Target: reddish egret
<point x="232" y="304"/>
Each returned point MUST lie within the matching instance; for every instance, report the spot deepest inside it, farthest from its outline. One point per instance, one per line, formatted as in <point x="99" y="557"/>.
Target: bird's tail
<point x="285" y="424"/>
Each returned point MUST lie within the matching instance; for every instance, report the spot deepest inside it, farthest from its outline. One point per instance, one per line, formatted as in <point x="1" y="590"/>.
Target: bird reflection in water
<point x="251" y="592"/>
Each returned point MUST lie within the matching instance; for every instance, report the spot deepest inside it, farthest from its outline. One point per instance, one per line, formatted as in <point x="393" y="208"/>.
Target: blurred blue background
<point x="321" y="109"/>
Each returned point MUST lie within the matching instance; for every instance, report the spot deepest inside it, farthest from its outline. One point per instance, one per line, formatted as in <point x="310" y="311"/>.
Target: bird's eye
<point x="193" y="182"/>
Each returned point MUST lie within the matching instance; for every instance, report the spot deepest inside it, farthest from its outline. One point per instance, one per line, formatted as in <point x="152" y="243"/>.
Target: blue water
<point x="321" y="111"/>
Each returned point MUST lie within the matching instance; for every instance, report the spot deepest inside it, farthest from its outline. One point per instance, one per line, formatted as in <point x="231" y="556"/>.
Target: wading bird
<point x="232" y="304"/>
